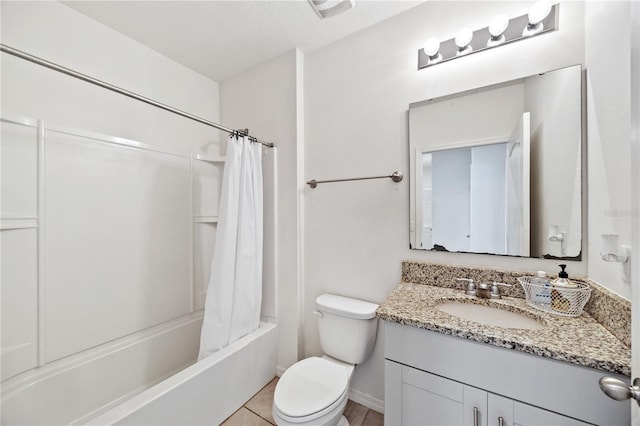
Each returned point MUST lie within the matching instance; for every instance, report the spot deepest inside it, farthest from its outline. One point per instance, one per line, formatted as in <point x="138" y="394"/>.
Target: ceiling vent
<point x="329" y="8"/>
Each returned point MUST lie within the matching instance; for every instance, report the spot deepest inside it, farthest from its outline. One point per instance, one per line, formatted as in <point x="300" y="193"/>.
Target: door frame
<point x="635" y="201"/>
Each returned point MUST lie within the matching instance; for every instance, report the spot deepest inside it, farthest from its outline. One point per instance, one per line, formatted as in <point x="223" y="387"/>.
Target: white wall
<point x="608" y="119"/>
<point x="266" y="100"/>
<point x="59" y="34"/>
<point x="84" y="307"/>
<point x="357" y="93"/>
<point x="467" y="117"/>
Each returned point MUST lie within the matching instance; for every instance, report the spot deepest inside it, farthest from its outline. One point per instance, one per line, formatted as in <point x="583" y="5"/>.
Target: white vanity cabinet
<point x="437" y="379"/>
<point x="430" y="400"/>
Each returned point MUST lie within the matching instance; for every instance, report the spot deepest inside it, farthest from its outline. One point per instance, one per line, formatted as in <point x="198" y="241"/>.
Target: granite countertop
<point x="577" y="340"/>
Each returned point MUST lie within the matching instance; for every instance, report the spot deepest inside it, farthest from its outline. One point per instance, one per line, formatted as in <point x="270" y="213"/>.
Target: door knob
<point x="619" y="390"/>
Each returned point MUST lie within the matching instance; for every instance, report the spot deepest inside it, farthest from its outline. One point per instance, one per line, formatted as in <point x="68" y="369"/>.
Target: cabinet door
<point x="415" y="397"/>
<point x="527" y="415"/>
<point x="475" y="407"/>
<point x="500" y="411"/>
<point x="430" y="400"/>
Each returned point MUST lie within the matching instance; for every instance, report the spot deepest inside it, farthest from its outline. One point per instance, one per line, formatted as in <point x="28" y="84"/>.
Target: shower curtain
<point x="234" y="295"/>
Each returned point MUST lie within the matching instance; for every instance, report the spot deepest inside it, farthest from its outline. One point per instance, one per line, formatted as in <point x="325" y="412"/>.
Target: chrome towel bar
<point x="395" y="176"/>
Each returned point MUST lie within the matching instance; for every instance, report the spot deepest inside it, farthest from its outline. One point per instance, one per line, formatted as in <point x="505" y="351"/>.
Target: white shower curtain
<point x="234" y="295"/>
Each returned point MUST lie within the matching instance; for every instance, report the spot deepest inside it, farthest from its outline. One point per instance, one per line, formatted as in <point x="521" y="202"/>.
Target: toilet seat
<point x="310" y="389"/>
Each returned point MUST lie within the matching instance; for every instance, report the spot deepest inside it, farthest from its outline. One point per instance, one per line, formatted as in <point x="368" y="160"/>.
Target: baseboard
<point x="367" y="400"/>
<point x="280" y="371"/>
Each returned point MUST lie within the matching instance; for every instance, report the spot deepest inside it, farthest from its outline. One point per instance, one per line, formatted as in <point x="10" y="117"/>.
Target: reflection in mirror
<point x="498" y="169"/>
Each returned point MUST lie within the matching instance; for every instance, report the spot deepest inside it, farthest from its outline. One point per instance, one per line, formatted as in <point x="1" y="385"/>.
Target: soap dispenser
<point x="563" y="279"/>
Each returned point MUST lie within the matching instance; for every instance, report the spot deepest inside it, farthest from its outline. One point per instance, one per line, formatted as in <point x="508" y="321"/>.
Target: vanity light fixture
<point x="611" y="252"/>
<point x="497" y="27"/>
<point x="432" y="49"/>
<point x="542" y="18"/>
<point x="463" y="40"/>
<point x="537" y="13"/>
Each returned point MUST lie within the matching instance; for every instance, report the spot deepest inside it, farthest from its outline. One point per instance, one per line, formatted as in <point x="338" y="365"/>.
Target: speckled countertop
<point x="580" y="340"/>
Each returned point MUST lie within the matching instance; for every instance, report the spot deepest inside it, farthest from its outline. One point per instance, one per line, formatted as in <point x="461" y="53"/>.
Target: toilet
<point x="315" y="391"/>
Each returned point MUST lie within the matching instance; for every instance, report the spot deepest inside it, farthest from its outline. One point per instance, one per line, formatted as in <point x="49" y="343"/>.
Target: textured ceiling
<point x="220" y="39"/>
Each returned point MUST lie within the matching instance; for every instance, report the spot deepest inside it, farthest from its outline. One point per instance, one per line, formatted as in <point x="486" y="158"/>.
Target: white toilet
<point x="315" y="391"/>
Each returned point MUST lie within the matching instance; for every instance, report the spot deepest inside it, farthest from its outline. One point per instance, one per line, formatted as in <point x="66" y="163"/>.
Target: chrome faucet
<point x="483" y="290"/>
<point x="495" y="291"/>
<point x="471" y="287"/>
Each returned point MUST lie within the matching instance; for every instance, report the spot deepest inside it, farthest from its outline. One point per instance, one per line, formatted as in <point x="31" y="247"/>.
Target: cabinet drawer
<point x="526" y="415"/>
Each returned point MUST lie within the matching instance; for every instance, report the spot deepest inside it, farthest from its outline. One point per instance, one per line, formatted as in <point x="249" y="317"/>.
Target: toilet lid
<point x="309" y="386"/>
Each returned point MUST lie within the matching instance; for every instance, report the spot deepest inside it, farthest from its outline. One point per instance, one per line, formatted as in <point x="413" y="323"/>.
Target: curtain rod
<point x="39" y="61"/>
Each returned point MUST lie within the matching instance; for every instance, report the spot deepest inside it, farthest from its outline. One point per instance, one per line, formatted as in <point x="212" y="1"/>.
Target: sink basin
<point x="489" y="315"/>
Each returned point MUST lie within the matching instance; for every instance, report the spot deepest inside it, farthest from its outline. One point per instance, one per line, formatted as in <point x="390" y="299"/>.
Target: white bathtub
<point x="142" y="380"/>
<point x="207" y="392"/>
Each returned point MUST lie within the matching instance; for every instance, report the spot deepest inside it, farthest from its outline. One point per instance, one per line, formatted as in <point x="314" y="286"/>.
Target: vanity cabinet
<point x="430" y="400"/>
<point x="436" y="379"/>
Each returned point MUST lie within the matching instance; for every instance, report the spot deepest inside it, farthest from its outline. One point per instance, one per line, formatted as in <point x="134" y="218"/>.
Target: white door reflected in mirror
<point x="475" y="199"/>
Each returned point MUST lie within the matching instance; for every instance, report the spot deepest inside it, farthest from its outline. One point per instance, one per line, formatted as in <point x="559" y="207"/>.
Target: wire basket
<point x="566" y="301"/>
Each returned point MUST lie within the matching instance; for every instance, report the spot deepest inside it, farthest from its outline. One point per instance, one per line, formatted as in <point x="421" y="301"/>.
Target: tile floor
<point x="257" y="411"/>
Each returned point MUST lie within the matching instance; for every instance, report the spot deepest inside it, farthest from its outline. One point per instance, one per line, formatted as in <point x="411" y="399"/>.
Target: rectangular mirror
<point x="498" y="170"/>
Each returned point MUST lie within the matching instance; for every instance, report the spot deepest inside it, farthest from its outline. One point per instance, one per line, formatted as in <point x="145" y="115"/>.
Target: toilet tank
<point x="347" y="327"/>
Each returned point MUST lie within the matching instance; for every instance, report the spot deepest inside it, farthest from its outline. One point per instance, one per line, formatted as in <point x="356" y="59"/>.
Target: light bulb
<point x="463" y="38"/>
<point x="498" y="25"/>
<point x="431" y="47"/>
<point x="537" y="13"/>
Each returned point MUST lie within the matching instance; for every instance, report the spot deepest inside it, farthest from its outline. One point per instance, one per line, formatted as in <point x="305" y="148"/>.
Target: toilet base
<point x="343" y="421"/>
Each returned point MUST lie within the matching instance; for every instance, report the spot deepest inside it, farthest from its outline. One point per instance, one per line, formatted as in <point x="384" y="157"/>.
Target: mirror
<point x="498" y="170"/>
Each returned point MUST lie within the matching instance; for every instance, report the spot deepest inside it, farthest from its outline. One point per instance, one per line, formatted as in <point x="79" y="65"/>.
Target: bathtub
<point x="207" y="392"/>
<point x="85" y="390"/>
